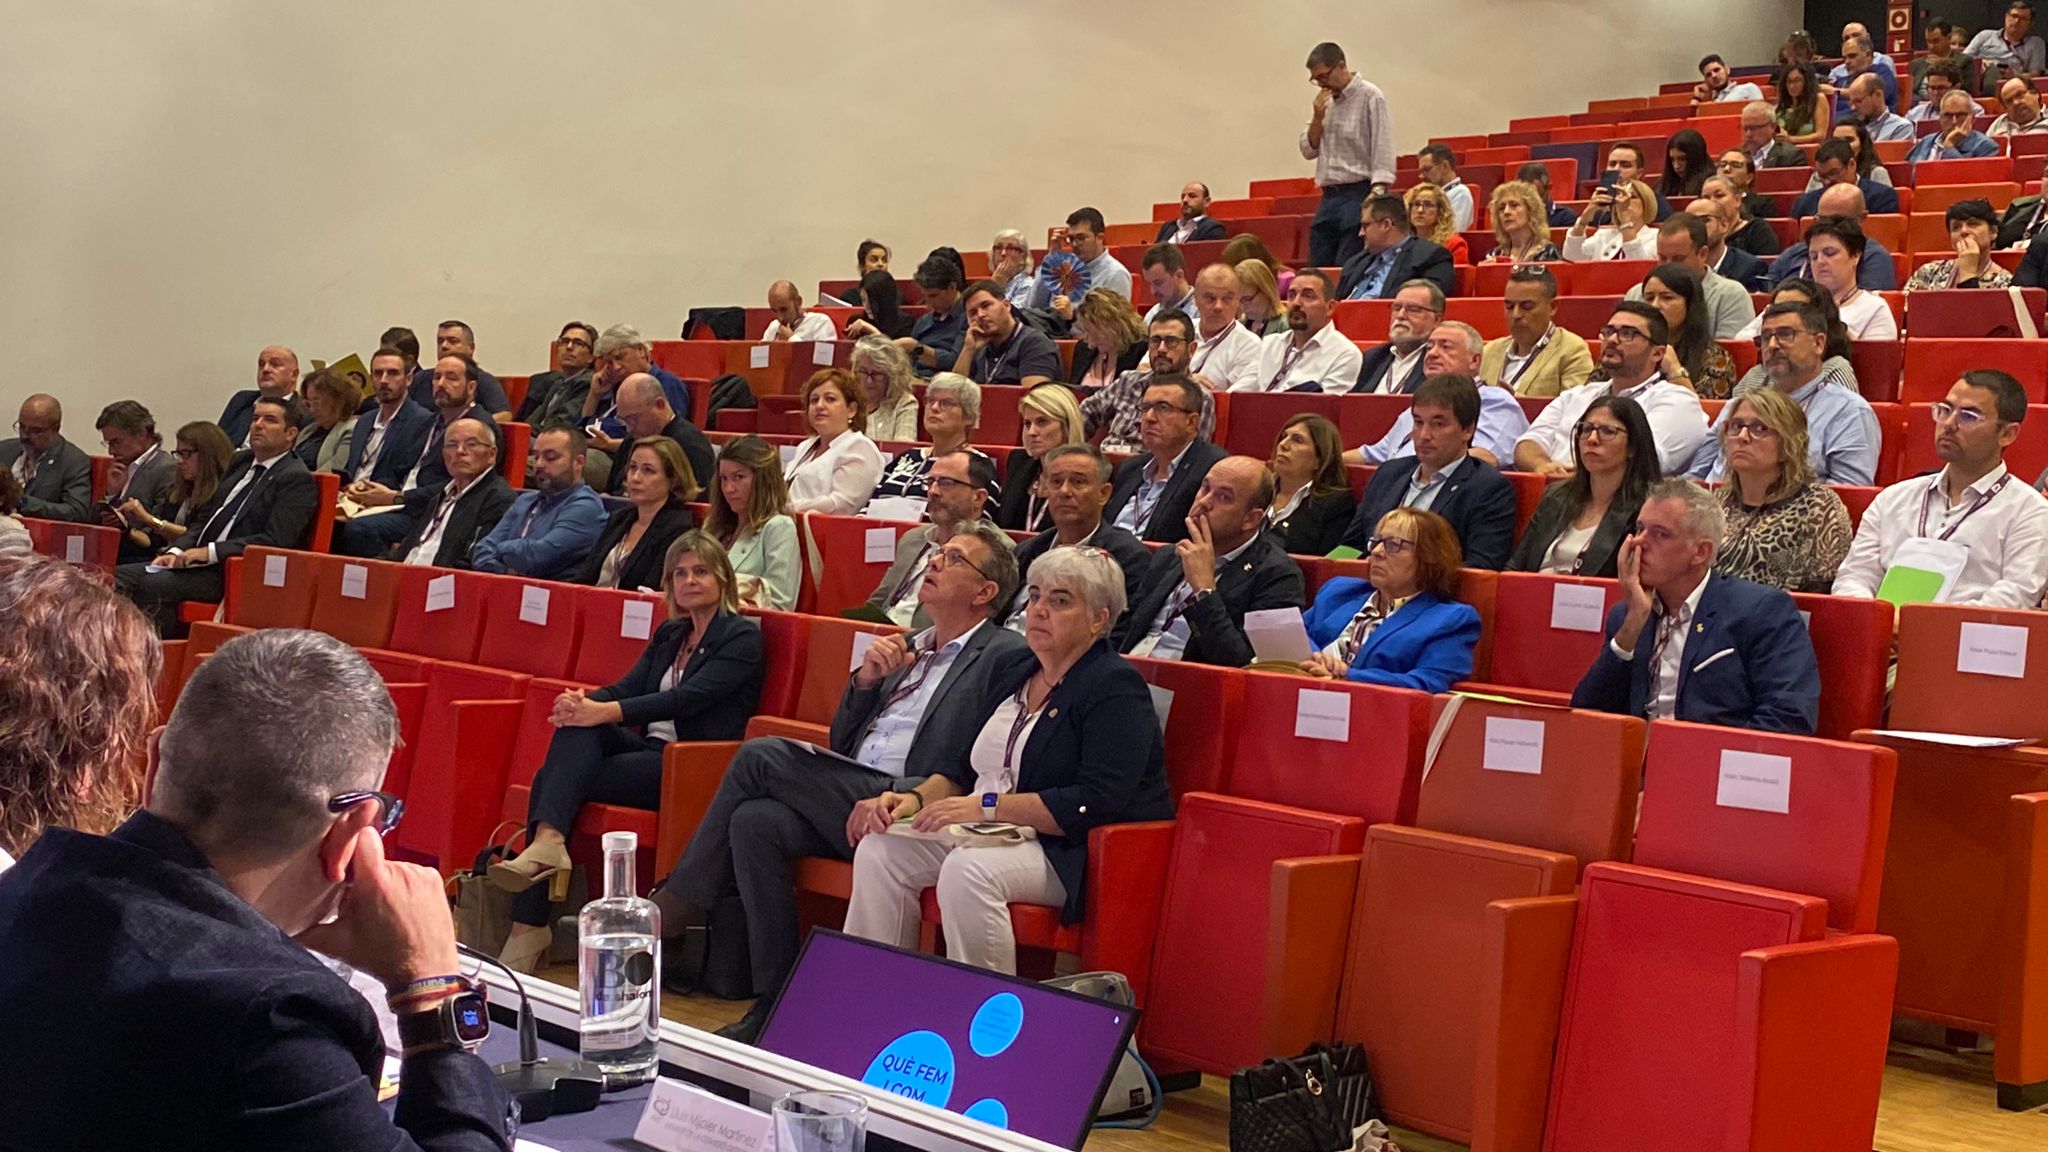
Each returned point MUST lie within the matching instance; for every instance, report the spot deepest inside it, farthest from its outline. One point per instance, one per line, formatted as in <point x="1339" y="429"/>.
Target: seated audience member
<point x="1862" y="151"/>
<point x="1970" y="513"/>
<point x="1110" y="340"/>
<point x="1536" y="176"/>
<point x="1956" y="136"/>
<point x="952" y="409"/>
<point x="1438" y="471"/>
<point x="881" y="310"/>
<point x="644" y="410"/>
<point x="448" y="522"/>
<point x="1082" y="237"/>
<point x="1048" y="417"/>
<point x="1192" y="602"/>
<point x="1804" y="114"/>
<point x="1091" y="756"/>
<point x="835" y="470"/>
<point x="78" y="671"/>
<point x="1154" y="490"/>
<point x="1112" y="415"/>
<point x="912" y="709"/>
<point x="934" y="341"/>
<point x="1625" y="160"/>
<point x="1692" y="358"/>
<point x="1834" y="248"/>
<point x="1843" y="439"/>
<point x="1859" y="59"/>
<point x="55" y="475"/>
<point x="201" y="459"/>
<point x="266" y="498"/>
<point x="2022" y="220"/>
<point x="1685" y="165"/>
<point x="333" y="399"/>
<point x="550" y="529"/>
<point x="1438" y="167"/>
<point x="1630" y="237"/>
<point x="14" y="537"/>
<point x="1941" y="76"/>
<point x="1166" y="275"/>
<point x="423" y="476"/>
<point x="959" y="493"/>
<point x="621" y="352"/>
<point x="1010" y="268"/>
<point x="1396" y="366"/>
<point x="1747" y="230"/>
<point x="698" y="679"/>
<point x="999" y="348"/>
<point x="1875" y="271"/>
<point x="389" y="435"/>
<point x="2009" y="51"/>
<point x="1393" y="255"/>
<point x="1834" y="162"/>
<point x="1264" y="312"/>
<point x="1536" y="357"/>
<point x="1943" y="48"/>
<point x="1836" y="351"/>
<point x="1076" y="483"/>
<point x="142" y="472"/>
<point x="1716" y="86"/>
<point x="407" y="345"/>
<point x="1579" y="525"/>
<point x="1194" y="222"/>
<point x="556" y="396"/>
<point x="1785" y="528"/>
<point x="1402" y="626"/>
<point x="2022" y="115"/>
<point x="1429" y="217"/>
<point x="1454" y="349"/>
<point x="1311" y="355"/>
<point x="792" y="321"/>
<point x="1226" y="352"/>
<point x="1972" y="230"/>
<point x="1632" y="347"/>
<point x="1247" y="246"/>
<point x="1726" y="263"/>
<point x="1312" y="501"/>
<point x="869" y="257"/>
<point x="1688" y="644"/>
<point x="886" y="379"/>
<point x="1873" y="116"/>
<point x="659" y="483"/>
<point x="1684" y="239"/>
<point x="455" y="338"/>
<point x="1521" y="225"/>
<point x="251" y="856"/>
<point x="1760" y="131"/>
<point x="277" y="375"/>
<point x="751" y="518"/>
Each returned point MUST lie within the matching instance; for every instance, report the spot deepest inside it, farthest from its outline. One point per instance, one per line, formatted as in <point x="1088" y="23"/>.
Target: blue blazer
<point x="720" y="687"/>
<point x="408" y="432"/>
<point x="1477" y="500"/>
<point x="1426" y="644"/>
<point x="1876" y="198"/>
<point x="1094" y="757"/>
<point x="1748" y="663"/>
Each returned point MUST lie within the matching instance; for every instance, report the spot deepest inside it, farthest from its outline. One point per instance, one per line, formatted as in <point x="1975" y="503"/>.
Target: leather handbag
<point x="483" y="911"/>
<point x="1309" y="1103"/>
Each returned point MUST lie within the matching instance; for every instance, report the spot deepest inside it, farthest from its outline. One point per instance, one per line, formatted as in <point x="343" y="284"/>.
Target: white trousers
<point x="976" y="887"/>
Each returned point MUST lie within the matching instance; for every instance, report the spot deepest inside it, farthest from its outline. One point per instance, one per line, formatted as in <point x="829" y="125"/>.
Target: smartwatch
<point x="458" y="1021"/>
<point x="988" y="806"/>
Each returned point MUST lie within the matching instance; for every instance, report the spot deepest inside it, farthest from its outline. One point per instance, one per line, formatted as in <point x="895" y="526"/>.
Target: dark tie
<point x="225" y="518"/>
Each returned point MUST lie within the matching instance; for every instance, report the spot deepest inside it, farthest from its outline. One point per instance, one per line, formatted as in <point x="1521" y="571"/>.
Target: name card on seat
<point x="1513" y="745"/>
<point x="1992" y="650"/>
<point x="533" y="605"/>
<point x="636" y="620"/>
<point x="274" y="568"/>
<point x="1577" y="607"/>
<point x="1320" y="715"/>
<point x="355" y="582"/>
<point x="1756" y="781"/>
<point x="440" y="594"/>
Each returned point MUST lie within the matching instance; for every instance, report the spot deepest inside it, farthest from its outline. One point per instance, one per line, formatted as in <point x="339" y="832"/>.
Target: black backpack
<point x="722" y="323"/>
<point x="728" y="391"/>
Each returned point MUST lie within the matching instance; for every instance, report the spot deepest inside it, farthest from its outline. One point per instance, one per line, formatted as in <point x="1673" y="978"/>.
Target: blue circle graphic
<point x="996" y="1024"/>
<point x="989" y="1112"/>
<point x="916" y="1066"/>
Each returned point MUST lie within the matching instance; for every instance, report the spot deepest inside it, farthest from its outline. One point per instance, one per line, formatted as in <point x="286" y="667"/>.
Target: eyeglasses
<point x="1781" y="336"/>
<point x="1601" y="432"/>
<point x="1010" y="248"/>
<point x="1618" y="335"/>
<point x="391" y="809"/>
<point x="31" y="429"/>
<point x="1391" y="545"/>
<point x="1401" y="309"/>
<point x="948" y="483"/>
<point x="1749" y="430"/>
<point x="1161" y="408"/>
<point x="578" y="341"/>
<point x="946" y="558"/>
<point x="1964" y="417"/>
<point x="1165" y="341"/>
<point x="941" y="403"/>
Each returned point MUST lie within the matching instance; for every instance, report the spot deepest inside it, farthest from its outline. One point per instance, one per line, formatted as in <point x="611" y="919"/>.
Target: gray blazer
<point x="952" y="718"/>
<point x="151" y="484"/>
<point x="62" y="488"/>
<point x="909" y="547"/>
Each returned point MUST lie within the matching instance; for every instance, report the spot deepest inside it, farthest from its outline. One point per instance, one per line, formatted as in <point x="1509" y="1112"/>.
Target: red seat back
<point x="327" y="487"/>
<point x="1933" y="366"/>
<point x="445" y="631"/>
<point x="1971" y="312"/>
<point x="1587" y="314"/>
<point x="1364" y="419"/>
<point x="1201" y="721"/>
<point x="454" y="795"/>
<point x="1529" y="650"/>
<point x="2026" y="456"/>
<point x="1256" y="418"/>
<point x="828" y="666"/>
<point x="531" y="739"/>
<point x="1367" y="763"/>
<point x="1610" y="277"/>
<point x="88" y="545"/>
<point x="1933" y="695"/>
<point x="837" y="571"/>
<point x="607" y="643"/>
<point x="355" y="601"/>
<point x="276" y="588"/>
<point x="1852" y="640"/>
<point x="785" y="639"/>
<point x="531" y="626"/>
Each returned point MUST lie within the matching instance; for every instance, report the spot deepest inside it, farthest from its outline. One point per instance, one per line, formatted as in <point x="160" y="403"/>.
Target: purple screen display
<point x="1006" y="1052"/>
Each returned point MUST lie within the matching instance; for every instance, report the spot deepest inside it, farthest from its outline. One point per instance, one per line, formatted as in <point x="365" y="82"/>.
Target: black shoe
<point x="747" y="1029"/>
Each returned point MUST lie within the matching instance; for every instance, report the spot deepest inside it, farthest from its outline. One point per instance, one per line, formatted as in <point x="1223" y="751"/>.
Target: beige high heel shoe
<point x="525" y="952"/>
<point x="549" y="862"/>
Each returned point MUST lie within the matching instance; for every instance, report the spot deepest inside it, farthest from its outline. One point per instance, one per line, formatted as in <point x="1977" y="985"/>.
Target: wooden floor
<point x="1934" y="1101"/>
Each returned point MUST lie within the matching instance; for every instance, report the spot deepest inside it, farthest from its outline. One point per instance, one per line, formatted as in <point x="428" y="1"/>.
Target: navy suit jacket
<point x="234" y="419"/>
<point x="720" y="687"/>
<point x="209" y="1029"/>
<point x="1426" y="644"/>
<point x="403" y="439"/>
<point x="1209" y="229"/>
<point x="1744" y="268"/>
<point x="1419" y="260"/>
<point x="490" y="394"/>
<point x="277" y="513"/>
<point x="1169" y="522"/>
<point x="1748" y="663"/>
<point x="1877" y="198"/>
<point x="1095" y="757"/>
<point x="1375" y="364"/>
<point x="1477" y="500"/>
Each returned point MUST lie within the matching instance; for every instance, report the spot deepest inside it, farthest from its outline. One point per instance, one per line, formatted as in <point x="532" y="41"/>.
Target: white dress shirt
<point x="437" y="524"/>
<point x="1398" y="369"/>
<point x="1358" y="138"/>
<point x="1422" y="496"/>
<point x="1868" y="317"/>
<point x="1671" y="629"/>
<point x="886" y="747"/>
<point x="1461" y="204"/>
<point x="135" y="469"/>
<point x="1329" y="359"/>
<point x="1606" y="244"/>
<point x="2006" y="536"/>
<point x="1230" y="361"/>
<point x="838" y="480"/>
<point x="813" y="326"/>
<point x="1676" y="419"/>
<point x="256" y="470"/>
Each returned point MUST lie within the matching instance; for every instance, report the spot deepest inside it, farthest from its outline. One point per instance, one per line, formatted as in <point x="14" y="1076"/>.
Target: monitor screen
<point x="1018" y="1055"/>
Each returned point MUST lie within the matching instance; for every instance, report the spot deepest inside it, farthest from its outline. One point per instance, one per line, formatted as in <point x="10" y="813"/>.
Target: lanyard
<point x="449" y="498"/>
<point x="1981" y="501"/>
<point x="1207" y="348"/>
<point x="993" y="372"/>
<point x="1288" y="360"/>
<point x="1024" y="714"/>
<point x="915" y="574"/>
<point x="532" y="514"/>
<point x="1034" y="513"/>
<point x="1510" y="373"/>
<point x="920" y="669"/>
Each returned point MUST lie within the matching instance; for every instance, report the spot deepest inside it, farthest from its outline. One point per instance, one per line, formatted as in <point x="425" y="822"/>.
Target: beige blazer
<point x="1563" y="363"/>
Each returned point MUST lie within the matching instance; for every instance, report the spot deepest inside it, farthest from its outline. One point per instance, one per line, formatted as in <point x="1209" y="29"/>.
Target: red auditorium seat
<point x="1491" y="279"/>
<point x="1373" y="769"/>
<point x="1586" y="315"/>
<point x="1256" y="418"/>
<point x="1971" y="312"/>
<point x="1931" y="690"/>
<point x="1489" y="315"/>
<point x="515" y="441"/>
<point x="2026" y="456"/>
<point x="1362" y="319"/>
<point x="1532" y="657"/>
<point x="607" y="644"/>
<point x="827" y="666"/>
<point x="355" y="601"/>
<point x="1201" y="724"/>
<point x="275" y="587"/>
<point x="1609" y="277"/>
<point x="837" y="573"/>
<point x="456" y="785"/>
<point x="530" y="626"/>
<point x="529" y="746"/>
<point x="87" y="545"/>
<point x="1934" y="365"/>
<point x="1852" y="639"/>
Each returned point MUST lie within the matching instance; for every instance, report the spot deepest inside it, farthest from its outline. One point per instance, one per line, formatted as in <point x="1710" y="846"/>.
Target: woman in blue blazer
<point x="698" y="679"/>
<point x="1069" y="742"/>
<point x="1404" y="626"/>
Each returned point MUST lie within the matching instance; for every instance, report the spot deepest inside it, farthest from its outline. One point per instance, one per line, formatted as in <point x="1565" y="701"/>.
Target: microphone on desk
<point x="543" y="1087"/>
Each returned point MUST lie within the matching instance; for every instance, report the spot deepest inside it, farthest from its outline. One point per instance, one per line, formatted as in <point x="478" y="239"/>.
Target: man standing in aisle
<point x="1350" y="136"/>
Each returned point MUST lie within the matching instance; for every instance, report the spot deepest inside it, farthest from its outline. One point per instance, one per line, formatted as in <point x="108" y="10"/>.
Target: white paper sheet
<point x="74" y="550"/>
<point x="636" y="620"/>
<point x="905" y="509"/>
<point x="533" y="605"/>
<point x="1320" y="715"/>
<point x="355" y="582"/>
<point x="757" y="356"/>
<point x="1756" y="781"/>
<point x="1992" y="650"/>
<point x="821" y="354"/>
<point x="274" y="569"/>
<point x="1952" y="739"/>
<point x="1162" y="704"/>
<point x="1277" y="634"/>
<point x="440" y="593"/>
<point x="1577" y="607"/>
<point x="881" y="545"/>
<point x="862" y="641"/>
<point x="1513" y="745"/>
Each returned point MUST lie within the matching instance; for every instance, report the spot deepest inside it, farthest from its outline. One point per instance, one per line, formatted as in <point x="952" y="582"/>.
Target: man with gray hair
<point x="621" y="352"/>
<point x="1688" y="644"/>
<point x="1455" y="349"/>
<point x="644" y="409"/>
<point x="213" y="1024"/>
<point x="1396" y="366"/>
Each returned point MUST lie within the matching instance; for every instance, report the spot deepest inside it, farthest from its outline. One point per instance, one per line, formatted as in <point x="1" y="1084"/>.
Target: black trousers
<point x="371" y="536"/>
<point x="607" y="764"/>
<point x="1333" y="231"/>
<point x="159" y="594"/>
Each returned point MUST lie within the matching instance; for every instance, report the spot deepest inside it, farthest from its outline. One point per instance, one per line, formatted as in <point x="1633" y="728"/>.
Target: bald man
<point x="791" y="321"/>
<point x="1225" y="357"/>
<point x="644" y="409"/>
<point x="1876" y="273"/>
<point x="1866" y="100"/>
<point x="2022" y="115"/>
<point x="277" y="376"/>
<point x="1194" y="222"/>
<point x="446" y="528"/>
<point x="1193" y="601"/>
<point x="55" y="474"/>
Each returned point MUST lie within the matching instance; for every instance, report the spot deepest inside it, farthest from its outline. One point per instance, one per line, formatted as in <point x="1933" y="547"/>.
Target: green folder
<point x="1344" y="552"/>
<point x="1904" y="585"/>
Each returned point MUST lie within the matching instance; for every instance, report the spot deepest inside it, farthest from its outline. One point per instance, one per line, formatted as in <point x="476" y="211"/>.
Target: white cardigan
<point x="839" y="480"/>
<point x="1602" y="244"/>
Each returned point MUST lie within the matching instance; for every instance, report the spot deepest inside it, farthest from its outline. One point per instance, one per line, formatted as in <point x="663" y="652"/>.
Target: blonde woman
<point x="1629" y="237"/>
<point x="1785" y="528"/>
<point x="1263" y="312"/>
<point x="1520" y="225"/>
<point x="1050" y="417"/>
<point x="1429" y="216"/>
<point x="750" y="516"/>
<point x="884" y="373"/>
<point x="1112" y="340"/>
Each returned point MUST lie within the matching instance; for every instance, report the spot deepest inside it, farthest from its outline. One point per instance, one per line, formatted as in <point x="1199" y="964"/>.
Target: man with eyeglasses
<point x="447" y="524"/>
<point x="1075" y="481"/>
<point x="363" y="531"/>
<point x="1941" y="76"/>
<point x="388" y="438"/>
<point x="1859" y="59"/>
<point x="1393" y="255"/>
<point x="1009" y="267"/>
<point x="1454" y="350"/>
<point x="1350" y="136"/>
<point x="959" y="493"/>
<point x="213" y="1023"/>
<point x="621" y="352"/>
<point x="1536" y="357"/>
<point x="2011" y="50"/>
<point x="1193" y="600"/>
<point x="1834" y="165"/>
<point x="1114" y="416"/>
<point x="556" y="396"/>
<point x="911" y="709"/>
<point x="1956" y="138"/>
<point x="1396" y="366"/>
<point x="1760" y="139"/>
<point x="1631" y="348"/>
<point x="1866" y="98"/>
<point x="1842" y="436"/>
<point x="142" y="471"/>
<point x="1973" y="533"/>
<point x="1311" y="356"/>
<point x="55" y="474"/>
<point x="1151" y="493"/>
<point x="1440" y="473"/>
<point x="1686" y="643"/>
<point x="1225" y="356"/>
<point x="644" y="409"/>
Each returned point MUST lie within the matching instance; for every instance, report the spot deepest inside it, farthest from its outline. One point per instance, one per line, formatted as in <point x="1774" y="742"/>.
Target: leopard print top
<point x="1795" y="543"/>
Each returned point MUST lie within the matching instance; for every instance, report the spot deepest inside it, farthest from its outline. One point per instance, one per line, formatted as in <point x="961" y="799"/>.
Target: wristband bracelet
<point x="429" y="987"/>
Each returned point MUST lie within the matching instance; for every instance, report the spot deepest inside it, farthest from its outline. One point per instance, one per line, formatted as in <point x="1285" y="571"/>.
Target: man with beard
<point x="1842" y="436"/>
<point x="388" y="437"/>
<point x="1194" y="222"/>
<point x="1536" y="357"/>
<point x="1396" y="366"/>
<point x="1631" y="348"/>
<point x="455" y="377"/>
<point x="1111" y="416"/>
<point x="1000" y="348"/>
<point x="549" y="530"/>
<point x="1311" y="355"/>
<point x="455" y="338"/>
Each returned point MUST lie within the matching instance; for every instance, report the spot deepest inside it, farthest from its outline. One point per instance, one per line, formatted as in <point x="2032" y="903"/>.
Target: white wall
<point x="184" y="181"/>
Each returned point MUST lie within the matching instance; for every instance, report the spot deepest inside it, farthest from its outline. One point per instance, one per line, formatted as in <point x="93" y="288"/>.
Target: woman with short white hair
<point x="1009" y="265"/>
<point x="952" y="408"/>
<point x="1069" y="743"/>
<point x="885" y="375"/>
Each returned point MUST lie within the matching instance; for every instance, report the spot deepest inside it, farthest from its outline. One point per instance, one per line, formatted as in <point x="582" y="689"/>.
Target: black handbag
<point x="712" y="957"/>
<point x="1310" y="1103"/>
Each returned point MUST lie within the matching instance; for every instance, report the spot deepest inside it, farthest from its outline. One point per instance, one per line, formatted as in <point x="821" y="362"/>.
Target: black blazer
<point x="403" y="437"/>
<point x="1095" y="757"/>
<point x="1169" y="517"/>
<point x="278" y="512"/>
<point x="1757" y="237"/>
<point x="1374" y="365"/>
<point x="1317" y="524"/>
<point x="1477" y="500"/>
<point x="1020" y="473"/>
<point x="952" y="717"/>
<point x="1603" y="551"/>
<point x="720" y="687"/>
<point x="1127" y="550"/>
<point x="642" y="566"/>
<point x="234" y="419"/>
<point x="1744" y="268"/>
<point x="210" y="1028"/>
<point x="1264" y="576"/>
<point x="696" y="450"/>
<point x="1084" y="359"/>
<point x="2012" y="227"/>
<point x="427" y="451"/>
<point x="476" y="512"/>
<point x="490" y="394"/>
<point x="1209" y="229"/>
<point x="1420" y="260"/>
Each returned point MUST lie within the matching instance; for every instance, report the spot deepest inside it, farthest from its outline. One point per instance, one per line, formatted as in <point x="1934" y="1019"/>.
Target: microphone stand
<point x="543" y="1087"/>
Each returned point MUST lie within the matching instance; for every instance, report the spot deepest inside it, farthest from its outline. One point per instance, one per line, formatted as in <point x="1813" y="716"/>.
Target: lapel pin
<point x="1699" y="628"/>
<point x="1052" y="714"/>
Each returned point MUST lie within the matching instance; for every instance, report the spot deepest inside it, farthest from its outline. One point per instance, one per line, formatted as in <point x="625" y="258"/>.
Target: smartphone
<point x="1610" y="178"/>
